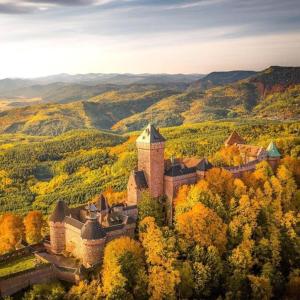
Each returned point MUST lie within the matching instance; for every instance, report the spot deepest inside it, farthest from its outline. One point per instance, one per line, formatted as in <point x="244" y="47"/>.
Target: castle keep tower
<point x="151" y="145"/>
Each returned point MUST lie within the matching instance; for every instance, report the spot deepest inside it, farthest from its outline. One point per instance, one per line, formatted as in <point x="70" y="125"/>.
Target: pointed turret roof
<point x="204" y="165"/>
<point x="150" y="135"/>
<point x="92" y="230"/>
<point x="234" y="138"/>
<point x="102" y="203"/>
<point x="60" y="211"/>
<point x="272" y="150"/>
<point x="139" y="179"/>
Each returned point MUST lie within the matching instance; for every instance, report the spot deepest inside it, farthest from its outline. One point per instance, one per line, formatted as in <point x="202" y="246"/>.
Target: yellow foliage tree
<point x="115" y="197"/>
<point x="220" y="181"/>
<point x="229" y="156"/>
<point x="161" y="258"/>
<point x="123" y="268"/>
<point x="203" y="226"/>
<point x="33" y="223"/>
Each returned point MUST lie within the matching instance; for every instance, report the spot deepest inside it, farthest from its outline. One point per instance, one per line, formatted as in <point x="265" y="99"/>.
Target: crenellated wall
<point x="14" y="283"/>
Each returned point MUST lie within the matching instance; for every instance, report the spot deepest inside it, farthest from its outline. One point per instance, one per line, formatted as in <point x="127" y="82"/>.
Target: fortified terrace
<point x="83" y="231"/>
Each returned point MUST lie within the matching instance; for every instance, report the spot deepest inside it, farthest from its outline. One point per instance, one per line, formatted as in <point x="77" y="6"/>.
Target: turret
<point x="57" y="227"/>
<point x="93" y="241"/>
<point x="234" y="138"/>
<point x="151" y="145"/>
<point x="202" y="167"/>
<point x="103" y="208"/>
<point x="273" y="155"/>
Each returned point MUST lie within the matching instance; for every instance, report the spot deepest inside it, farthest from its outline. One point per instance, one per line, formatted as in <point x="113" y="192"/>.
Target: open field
<point x="18" y="265"/>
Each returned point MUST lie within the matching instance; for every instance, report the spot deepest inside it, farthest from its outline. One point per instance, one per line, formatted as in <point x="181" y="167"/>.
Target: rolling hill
<point x="273" y="93"/>
<point x="220" y="78"/>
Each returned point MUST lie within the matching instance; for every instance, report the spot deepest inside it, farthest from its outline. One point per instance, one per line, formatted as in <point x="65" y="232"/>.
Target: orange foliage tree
<point x="11" y="232"/>
<point x="202" y="226"/>
<point x="220" y="181"/>
<point x="33" y="223"/>
<point x="229" y="156"/>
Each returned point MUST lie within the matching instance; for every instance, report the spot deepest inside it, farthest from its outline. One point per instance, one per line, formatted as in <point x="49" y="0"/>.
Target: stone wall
<point x="73" y="240"/>
<point x="18" y="281"/>
<point x="21" y="252"/>
<point x="172" y="183"/>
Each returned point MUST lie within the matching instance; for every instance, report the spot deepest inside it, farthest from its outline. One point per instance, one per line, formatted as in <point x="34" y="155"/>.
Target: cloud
<point x="12" y="8"/>
<point x="33" y="6"/>
<point x="63" y="2"/>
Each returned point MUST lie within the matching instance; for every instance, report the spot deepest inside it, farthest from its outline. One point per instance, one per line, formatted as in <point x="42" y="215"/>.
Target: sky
<point x="43" y="37"/>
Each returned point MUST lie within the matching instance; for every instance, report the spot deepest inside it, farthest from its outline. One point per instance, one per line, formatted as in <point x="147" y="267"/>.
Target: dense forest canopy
<point x="78" y="165"/>
<point x="231" y="238"/>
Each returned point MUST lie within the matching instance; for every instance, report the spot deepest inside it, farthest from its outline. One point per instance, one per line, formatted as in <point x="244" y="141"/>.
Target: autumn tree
<point x="186" y="285"/>
<point x="11" y="232"/>
<point x="49" y="291"/>
<point x="293" y="286"/>
<point x="228" y="156"/>
<point x="161" y="259"/>
<point x="85" y="291"/>
<point x="260" y="287"/>
<point x="289" y="189"/>
<point x="151" y="207"/>
<point x="114" y="197"/>
<point x="293" y="165"/>
<point x="187" y="198"/>
<point x="208" y="270"/>
<point x="263" y="172"/>
<point x="220" y="181"/>
<point x="202" y="226"/>
<point x="33" y="223"/>
<point x="124" y="269"/>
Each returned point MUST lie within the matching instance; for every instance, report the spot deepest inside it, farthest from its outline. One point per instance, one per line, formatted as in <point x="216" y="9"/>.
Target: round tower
<point x="57" y="227"/>
<point x="151" y="146"/>
<point x="93" y="241"/>
<point x="273" y="157"/>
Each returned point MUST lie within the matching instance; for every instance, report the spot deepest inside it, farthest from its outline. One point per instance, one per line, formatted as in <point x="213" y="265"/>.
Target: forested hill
<point x="220" y="78"/>
<point x="54" y="108"/>
<point x="37" y="171"/>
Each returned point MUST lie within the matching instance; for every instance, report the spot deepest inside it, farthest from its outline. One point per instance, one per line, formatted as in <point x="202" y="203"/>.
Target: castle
<point x="84" y="230"/>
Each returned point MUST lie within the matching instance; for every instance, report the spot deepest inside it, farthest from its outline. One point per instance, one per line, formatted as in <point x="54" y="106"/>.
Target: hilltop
<point x="220" y="78"/>
<point x="53" y="108"/>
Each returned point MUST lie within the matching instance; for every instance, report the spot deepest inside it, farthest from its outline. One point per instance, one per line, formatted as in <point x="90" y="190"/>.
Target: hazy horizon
<point x="135" y="74"/>
<point x="49" y="37"/>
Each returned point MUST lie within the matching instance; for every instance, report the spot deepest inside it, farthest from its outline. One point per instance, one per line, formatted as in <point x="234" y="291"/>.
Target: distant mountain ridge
<point x="14" y="86"/>
<point x="220" y="78"/>
<point x="273" y="93"/>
